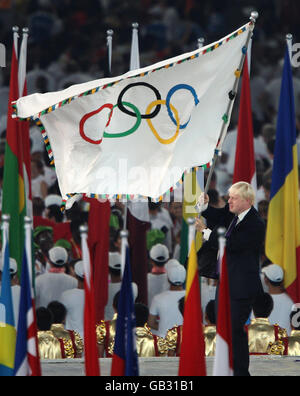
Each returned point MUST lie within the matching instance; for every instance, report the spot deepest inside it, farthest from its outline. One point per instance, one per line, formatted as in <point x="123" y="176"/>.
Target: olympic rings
<point x="172" y="112"/>
<point x="171" y="92"/>
<point x="86" y="117"/>
<point x="160" y="139"/>
<point x="144" y="116"/>
<point x="130" y="131"/>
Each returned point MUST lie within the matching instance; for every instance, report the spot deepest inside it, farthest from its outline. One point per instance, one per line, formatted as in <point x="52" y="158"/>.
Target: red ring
<point x="89" y="115"/>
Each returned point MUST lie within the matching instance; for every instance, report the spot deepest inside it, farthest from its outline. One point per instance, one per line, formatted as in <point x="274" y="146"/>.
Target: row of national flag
<point x="18" y="347"/>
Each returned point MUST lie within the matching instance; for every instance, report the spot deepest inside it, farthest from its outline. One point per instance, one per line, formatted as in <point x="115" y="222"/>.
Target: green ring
<point x="130" y="131"/>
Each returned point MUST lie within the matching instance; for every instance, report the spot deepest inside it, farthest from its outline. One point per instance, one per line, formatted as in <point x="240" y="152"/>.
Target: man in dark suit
<point x="244" y="240"/>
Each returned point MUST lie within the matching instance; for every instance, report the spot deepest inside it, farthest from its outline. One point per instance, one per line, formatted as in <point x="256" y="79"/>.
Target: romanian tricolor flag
<point x="13" y="181"/>
<point x="192" y="352"/>
<point x="7" y="321"/>
<point x="283" y="228"/>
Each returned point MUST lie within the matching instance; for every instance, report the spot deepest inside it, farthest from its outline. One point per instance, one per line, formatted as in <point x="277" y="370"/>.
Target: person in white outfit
<point x="114" y="266"/>
<point x="164" y="312"/>
<point x="157" y="279"/>
<point x="51" y="285"/>
<point x="273" y="277"/>
<point x="73" y="300"/>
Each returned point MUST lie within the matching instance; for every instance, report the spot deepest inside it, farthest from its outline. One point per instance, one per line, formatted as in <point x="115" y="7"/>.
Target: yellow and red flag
<point x="192" y="352"/>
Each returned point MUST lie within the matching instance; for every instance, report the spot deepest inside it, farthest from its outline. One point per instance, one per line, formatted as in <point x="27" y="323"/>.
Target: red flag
<point x="98" y="239"/>
<point x="223" y="364"/>
<point x="244" y="169"/>
<point x="138" y="225"/>
<point x="24" y="127"/>
<point x="192" y="352"/>
<point x="92" y="367"/>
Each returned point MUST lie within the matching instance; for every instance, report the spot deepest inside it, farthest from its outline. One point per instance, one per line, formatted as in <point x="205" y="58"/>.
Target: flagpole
<point x="289" y="41"/>
<point x="134" y="64"/>
<point x="23" y="61"/>
<point x="124" y="243"/>
<point x="192" y="229"/>
<point x="5" y="232"/>
<point x="201" y="41"/>
<point x="15" y="30"/>
<point x="110" y="34"/>
<point x="232" y="95"/>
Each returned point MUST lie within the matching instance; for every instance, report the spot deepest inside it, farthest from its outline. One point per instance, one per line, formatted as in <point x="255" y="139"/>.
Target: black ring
<point x="132" y="114"/>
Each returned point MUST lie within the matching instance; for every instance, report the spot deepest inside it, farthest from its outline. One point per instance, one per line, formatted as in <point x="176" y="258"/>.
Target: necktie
<point x="231" y="226"/>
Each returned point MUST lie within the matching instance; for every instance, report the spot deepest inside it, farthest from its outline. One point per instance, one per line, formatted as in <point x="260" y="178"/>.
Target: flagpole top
<point x="83" y="229"/>
<point x="5" y="218"/>
<point x="25" y="30"/>
<point x="124" y="234"/>
<point x="201" y="41"/>
<point x="15" y="29"/>
<point x="135" y="25"/>
<point x="191" y="221"/>
<point x="27" y="220"/>
<point x="254" y="16"/>
<point x="289" y="37"/>
<point x="110" y="33"/>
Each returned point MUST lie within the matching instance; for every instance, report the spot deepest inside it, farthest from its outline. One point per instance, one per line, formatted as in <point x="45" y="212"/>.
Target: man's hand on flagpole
<point x="202" y="202"/>
<point x="200" y="225"/>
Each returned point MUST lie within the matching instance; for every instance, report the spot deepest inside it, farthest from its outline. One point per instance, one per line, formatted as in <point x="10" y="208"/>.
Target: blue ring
<point x="171" y="92"/>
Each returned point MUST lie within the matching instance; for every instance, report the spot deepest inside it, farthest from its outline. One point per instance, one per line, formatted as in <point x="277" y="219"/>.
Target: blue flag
<point x="125" y="359"/>
<point x="7" y="321"/>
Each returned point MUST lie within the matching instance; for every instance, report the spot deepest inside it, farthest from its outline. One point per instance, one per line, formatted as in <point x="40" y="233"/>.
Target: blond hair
<point x="244" y="190"/>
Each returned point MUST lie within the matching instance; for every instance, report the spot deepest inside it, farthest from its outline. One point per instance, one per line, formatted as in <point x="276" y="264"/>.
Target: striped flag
<point x="27" y="362"/>
<point x="7" y="321"/>
<point x="125" y="359"/>
<point x="98" y="240"/>
<point x="13" y="180"/>
<point x="223" y="363"/>
<point x="92" y="367"/>
<point x="244" y="168"/>
<point x="283" y="228"/>
<point x="192" y="352"/>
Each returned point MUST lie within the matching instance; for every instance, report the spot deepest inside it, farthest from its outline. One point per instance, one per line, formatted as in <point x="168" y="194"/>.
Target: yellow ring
<point x="175" y="112"/>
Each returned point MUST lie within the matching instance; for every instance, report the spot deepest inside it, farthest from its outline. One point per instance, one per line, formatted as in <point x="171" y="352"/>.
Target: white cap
<point x="170" y="263"/>
<point x="115" y="260"/>
<point x="176" y="274"/>
<point x="53" y="199"/>
<point x="274" y="273"/>
<point x="13" y="267"/>
<point x="58" y="255"/>
<point x="79" y="270"/>
<point x="159" y="253"/>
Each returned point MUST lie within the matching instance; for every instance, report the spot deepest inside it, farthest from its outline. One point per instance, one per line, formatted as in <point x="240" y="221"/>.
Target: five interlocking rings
<point x="133" y="111"/>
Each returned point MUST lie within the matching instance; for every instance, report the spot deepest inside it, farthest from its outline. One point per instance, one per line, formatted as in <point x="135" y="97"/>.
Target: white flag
<point x="138" y="133"/>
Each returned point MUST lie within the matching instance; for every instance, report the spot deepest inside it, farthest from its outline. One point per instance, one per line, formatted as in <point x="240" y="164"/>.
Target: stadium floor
<point x="259" y="366"/>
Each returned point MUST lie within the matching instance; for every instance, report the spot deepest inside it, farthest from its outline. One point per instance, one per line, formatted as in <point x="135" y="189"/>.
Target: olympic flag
<point x="137" y="134"/>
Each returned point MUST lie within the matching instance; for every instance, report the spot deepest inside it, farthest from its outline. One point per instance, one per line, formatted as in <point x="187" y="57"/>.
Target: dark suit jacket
<point x="243" y="249"/>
